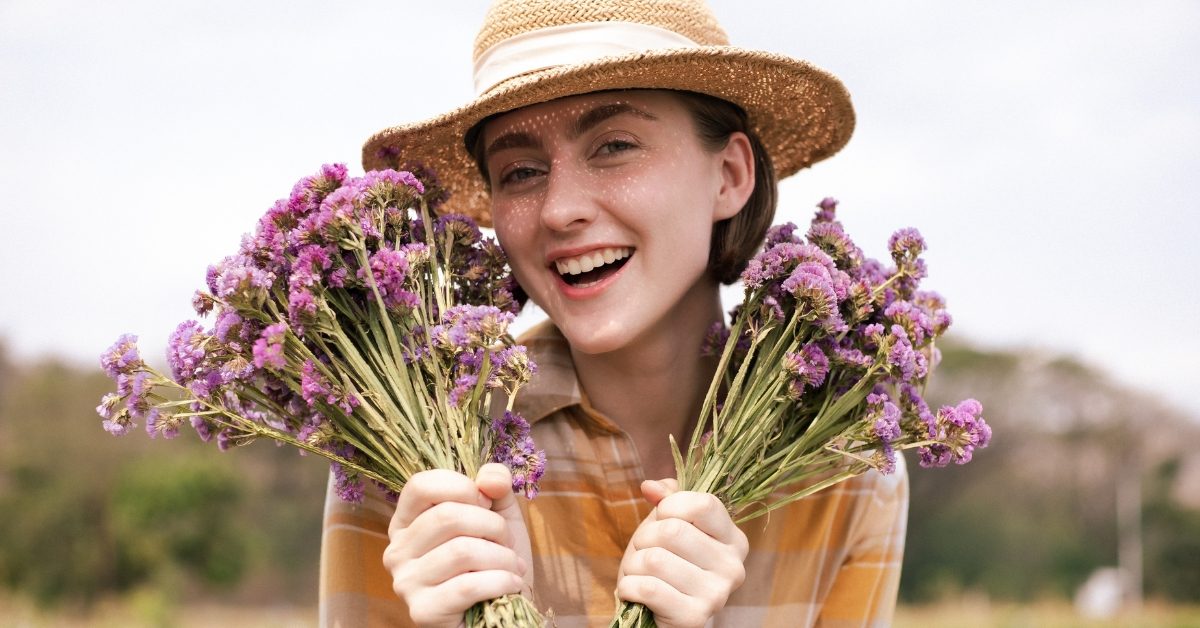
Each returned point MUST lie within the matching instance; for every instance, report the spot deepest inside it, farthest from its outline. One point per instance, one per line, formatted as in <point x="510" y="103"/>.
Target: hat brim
<point x="801" y="113"/>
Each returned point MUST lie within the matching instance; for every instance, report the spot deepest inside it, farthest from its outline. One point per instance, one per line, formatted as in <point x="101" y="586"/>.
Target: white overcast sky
<point x="1048" y="151"/>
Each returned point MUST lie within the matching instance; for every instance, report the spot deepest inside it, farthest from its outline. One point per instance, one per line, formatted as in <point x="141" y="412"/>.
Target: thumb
<point x="495" y="482"/>
<point x="657" y="490"/>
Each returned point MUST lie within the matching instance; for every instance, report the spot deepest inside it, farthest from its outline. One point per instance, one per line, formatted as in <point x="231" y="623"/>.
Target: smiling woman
<point x="618" y="170"/>
<point x="627" y="158"/>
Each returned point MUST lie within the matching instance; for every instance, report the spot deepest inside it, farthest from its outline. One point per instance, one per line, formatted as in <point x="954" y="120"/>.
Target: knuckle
<point x="459" y="551"/>
<point x="647" y="588"/>
<point x="444" y="516"/>
<point x="739" y="578"/>
<point x="671" y="528"/>
<point x="656" y="559"/>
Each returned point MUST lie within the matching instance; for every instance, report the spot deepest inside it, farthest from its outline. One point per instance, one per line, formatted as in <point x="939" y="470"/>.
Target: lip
<point x="577" y="293"/>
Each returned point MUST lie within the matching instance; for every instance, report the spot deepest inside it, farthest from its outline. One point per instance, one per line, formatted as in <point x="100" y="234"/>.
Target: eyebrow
<point x="603" y="112"/>
<point x="515" y="139"/>
<point x="585" y="122"/>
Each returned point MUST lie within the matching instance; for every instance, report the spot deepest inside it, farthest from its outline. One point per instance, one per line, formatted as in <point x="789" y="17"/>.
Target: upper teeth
<point x="588" y="261"/>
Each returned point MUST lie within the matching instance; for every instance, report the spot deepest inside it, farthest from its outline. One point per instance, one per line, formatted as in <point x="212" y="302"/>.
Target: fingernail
<point x="521" y="566"/>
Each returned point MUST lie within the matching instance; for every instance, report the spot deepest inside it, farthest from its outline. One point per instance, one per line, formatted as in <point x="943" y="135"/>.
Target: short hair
<point x="736" y="239"/>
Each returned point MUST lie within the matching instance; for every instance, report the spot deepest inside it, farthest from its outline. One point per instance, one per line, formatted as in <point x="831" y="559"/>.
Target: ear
<point x="737" y="176"/>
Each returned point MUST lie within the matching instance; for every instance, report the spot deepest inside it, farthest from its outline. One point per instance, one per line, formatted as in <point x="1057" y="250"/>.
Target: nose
<point x="569" y="202"/>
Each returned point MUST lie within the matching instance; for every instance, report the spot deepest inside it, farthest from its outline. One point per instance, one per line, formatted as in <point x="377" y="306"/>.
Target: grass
<point x="979" y="612"/>
<point x="148" y="610"/>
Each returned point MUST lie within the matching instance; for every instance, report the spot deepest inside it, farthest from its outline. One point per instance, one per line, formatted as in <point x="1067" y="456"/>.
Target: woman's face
<point x="605" y="204"/>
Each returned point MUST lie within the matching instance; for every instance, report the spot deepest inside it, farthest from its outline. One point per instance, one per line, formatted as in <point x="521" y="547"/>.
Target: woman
<point x="625" y="187"/>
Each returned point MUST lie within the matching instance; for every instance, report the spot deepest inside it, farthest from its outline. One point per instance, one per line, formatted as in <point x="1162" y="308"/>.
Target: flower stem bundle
<point x="358" y="325"/>
<point x="821" y="377"/>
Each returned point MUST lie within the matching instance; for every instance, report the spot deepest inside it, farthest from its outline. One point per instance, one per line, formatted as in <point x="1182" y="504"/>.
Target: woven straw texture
<point x="801" y="113"/>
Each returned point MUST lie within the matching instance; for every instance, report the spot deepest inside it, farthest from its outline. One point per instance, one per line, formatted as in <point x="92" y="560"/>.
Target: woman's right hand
<point x="455" y="542"/>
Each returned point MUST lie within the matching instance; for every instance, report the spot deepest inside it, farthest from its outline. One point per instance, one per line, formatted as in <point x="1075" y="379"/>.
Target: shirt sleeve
<point x="355" y="588"/>
<point x="865" y="588"/>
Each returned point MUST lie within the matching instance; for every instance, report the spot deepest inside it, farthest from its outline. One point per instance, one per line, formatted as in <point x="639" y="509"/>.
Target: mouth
<point x="590" y="268"/>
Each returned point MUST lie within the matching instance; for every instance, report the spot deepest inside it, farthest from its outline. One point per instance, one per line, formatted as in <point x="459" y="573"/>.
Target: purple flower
<point x="779" y="234"/>
<point x="470" y="326"/>
<point x="139" y="389"/>
<point x="227" y="325"/>
<point x="116" y="417"/>
<point x="376" y="178"/>
<point x="122" y="357"/>
<point x="511" y="367"/>
<point x="905" y="361"/>
<point x="463" y="385"/>
<point x="202" y="302"/>
<point x="832" y="239"/>
<point x="185" y="351"/>
<point x="884" y="417"/>
<point x="808" y="367"/>
<point x="461" y="229"/>
<point x="777" y="262"/>
<point x="312" y="261"/>
<point x="302" y="309"/>
<point x="812" y="286"/>
<point x="239" y="280"/>
<point x="906" y="246"/>
<point x="912" y="318"/>
<point x="958" y="430"/>
<point x="268" y="349"/>
<point x="389" y="268"/>
<point x="826" y="210"/>
<point x="160" y="423"/>
<point x="204" y="428"/>
<point x="514" y="448"/>
<point x="315" y="388"/>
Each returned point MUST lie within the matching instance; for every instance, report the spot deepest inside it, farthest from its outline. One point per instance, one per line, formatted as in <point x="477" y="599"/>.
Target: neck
<point x="654" y="387"/>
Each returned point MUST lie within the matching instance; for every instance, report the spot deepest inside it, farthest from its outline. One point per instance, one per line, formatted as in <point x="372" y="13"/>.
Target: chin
<point x="595" y="339"/>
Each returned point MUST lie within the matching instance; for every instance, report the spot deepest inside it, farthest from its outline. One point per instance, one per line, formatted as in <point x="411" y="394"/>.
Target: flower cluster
<point x="353" y="323"/>
<point x="836" y="348"/>
<point x="820" y="376"/>
<point x="357" y="325"/>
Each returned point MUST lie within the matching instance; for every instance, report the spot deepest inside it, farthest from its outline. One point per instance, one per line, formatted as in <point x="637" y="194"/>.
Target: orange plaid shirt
<point x="832" y="559"/>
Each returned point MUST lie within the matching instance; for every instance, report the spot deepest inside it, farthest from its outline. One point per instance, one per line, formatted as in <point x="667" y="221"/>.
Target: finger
<point x="707" y="513"/>
<point x="655" y="490"/>
<point x="688" y="542"/>
<point x="465" y="554"/>
<point x="428" y="488"/>
<point x="446" y="521"/>
<point x="670" y="606"/>
<point x="452" y="598"/>
<point x="450" y="560"/>
<point x="495" y="481"/>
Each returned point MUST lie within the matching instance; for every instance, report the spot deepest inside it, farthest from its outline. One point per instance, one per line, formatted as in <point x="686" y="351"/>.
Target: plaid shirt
<point x="832" y="559"/>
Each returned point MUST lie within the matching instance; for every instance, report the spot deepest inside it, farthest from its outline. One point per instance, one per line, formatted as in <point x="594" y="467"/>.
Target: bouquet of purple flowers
<point x="356" y="324"/>
<point x="821" y="377"/>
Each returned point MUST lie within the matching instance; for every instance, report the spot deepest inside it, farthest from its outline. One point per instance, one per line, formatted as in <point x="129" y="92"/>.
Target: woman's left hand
<point x="685" y="559"/>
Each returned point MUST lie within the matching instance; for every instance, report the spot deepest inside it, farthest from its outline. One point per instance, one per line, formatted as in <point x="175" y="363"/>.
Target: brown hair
<point x="736" y="239"/>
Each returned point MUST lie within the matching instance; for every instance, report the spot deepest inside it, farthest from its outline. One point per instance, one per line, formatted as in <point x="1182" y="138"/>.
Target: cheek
<point x="516" y="230"/>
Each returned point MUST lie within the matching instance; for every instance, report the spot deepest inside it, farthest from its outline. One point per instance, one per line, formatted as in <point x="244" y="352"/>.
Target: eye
<point x="615" y="146"/>
<point x="518" y="175"/>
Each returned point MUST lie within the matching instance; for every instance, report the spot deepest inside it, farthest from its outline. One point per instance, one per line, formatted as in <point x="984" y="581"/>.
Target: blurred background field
<point x="1085" y="508"/>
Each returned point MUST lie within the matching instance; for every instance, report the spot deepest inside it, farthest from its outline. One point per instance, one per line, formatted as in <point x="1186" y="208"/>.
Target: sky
<point x="1048" y="152"/>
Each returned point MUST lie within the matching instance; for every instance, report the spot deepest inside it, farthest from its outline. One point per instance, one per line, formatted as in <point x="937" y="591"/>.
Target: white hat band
<point x="569" y="44"/>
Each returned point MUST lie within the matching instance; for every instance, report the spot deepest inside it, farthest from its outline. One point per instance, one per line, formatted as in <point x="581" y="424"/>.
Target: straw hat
<point x="533" y="51"/>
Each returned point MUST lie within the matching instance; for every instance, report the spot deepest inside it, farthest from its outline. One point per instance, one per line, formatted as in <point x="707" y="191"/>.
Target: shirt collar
<point x="555" y="385"/>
